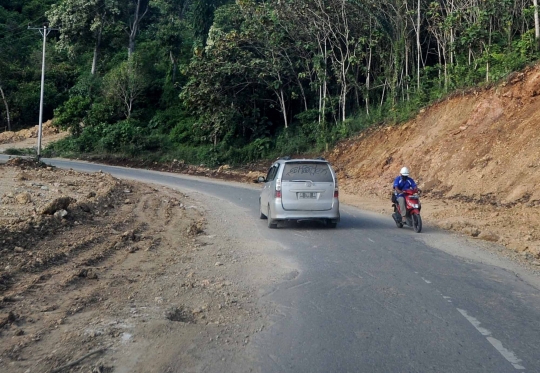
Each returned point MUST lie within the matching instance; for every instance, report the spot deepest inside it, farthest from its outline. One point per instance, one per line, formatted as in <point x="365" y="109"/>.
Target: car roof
<point x="287" y="160"/>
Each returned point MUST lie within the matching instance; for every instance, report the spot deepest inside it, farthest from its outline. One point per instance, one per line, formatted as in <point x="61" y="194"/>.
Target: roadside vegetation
<point x="228" y="82"/>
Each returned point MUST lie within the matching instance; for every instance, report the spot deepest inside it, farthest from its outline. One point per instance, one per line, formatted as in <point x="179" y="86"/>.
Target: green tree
<point x="82" y="24"/>
<point x="125" y="84"/>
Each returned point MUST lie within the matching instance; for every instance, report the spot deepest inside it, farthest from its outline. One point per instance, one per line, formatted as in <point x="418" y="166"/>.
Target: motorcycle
<point x="413" y="206"/>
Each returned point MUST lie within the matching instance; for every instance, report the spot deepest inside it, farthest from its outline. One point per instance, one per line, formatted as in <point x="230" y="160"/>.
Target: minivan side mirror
<point x="261" y="179"/>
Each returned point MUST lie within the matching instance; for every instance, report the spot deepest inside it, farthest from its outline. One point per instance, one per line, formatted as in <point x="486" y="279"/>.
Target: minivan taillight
<point x="336" y="193"/>
<point x="278" y="189"/>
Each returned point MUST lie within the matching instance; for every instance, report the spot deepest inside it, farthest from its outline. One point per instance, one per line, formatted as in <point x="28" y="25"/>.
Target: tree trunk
<point x="488" y="49"/>
<point x="405" y="75"/>
<point x="320" y="104"/>
<point x="304" y="99"/>
<point x="445" y="69"/>
<point x="418" y="48"/>
<point x="7" y="109"/>
<point x="134" y="27"/>
<point x="281" y="97"/>
<point x="343" y="101"/>
<point x="536" y="24"/>
<point x="357" y="93"/>
<point x="451" y="49"/>
<point x="174" y="66"/>
<point x="440" y="61"/>
<point x="383" y="92"/>
<point x="367" y="81"/>
<point x="324" y="102"/>
<point x="322" y="95"/>
<point x="96" y="48"/>
<point x="394" y="84"/>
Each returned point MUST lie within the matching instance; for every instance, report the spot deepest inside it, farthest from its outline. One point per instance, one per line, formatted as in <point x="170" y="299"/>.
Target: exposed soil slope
<point x="476" y="156"/>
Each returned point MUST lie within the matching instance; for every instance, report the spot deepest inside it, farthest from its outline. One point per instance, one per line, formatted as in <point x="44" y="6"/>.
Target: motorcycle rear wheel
<point x="399" y="224"/>
<point x="417" y="223"/>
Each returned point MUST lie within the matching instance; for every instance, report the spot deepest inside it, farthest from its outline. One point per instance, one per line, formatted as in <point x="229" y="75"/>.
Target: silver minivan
<point x="299" y="189"/>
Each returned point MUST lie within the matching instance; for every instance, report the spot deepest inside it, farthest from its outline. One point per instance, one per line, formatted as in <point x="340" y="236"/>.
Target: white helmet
<point x="404" y="171"/>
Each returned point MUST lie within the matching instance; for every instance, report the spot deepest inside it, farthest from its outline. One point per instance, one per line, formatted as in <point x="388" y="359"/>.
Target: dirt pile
<point x="476" y="156"/>
<point x="11" y="136"/>
<point x="95" y="268"/>
<point x="27" y="138"/>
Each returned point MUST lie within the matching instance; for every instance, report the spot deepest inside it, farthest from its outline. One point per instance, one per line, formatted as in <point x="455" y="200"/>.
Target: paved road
<point x="369" y="297"/>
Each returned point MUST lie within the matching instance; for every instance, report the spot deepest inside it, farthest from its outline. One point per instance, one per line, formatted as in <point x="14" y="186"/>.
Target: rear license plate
<point x="307" y="195"/>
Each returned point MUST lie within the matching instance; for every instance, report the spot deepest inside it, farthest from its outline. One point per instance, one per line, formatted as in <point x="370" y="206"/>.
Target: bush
<point x="100" y="112"/>
<point x="20" y="151"/>
<point x="182" y="132"/>
<point x="70" y="115"/>
<point x="292" y="140"/>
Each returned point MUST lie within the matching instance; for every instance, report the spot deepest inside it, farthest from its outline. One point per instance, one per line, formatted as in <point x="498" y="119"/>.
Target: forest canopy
<point x="220" y="81"/>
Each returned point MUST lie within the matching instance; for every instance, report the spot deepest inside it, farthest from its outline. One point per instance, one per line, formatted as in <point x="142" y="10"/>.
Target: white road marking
<point x="367" y="273"/>
<point x="427" y="282"/>
<point x="371" y="240"/>
<point x="507" y="354"/>
<point x="296" y="286"/>
<point x="448" y="299"/>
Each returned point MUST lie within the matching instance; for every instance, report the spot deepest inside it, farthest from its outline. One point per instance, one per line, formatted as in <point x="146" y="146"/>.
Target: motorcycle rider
<point x="401" y="183"/>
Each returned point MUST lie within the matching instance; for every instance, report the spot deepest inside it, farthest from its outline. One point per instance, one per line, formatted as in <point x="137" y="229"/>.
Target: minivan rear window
<point x="314" y="171"/>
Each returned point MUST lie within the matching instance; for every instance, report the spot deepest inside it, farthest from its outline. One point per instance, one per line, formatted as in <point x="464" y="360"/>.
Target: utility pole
<point x="44" y="31"/>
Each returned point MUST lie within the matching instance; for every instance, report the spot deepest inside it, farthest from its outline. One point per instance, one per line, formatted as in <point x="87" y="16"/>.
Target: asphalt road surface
<point x="369" y="297"/>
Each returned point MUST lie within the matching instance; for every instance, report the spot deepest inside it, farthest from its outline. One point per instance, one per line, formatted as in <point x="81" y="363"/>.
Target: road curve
<point x="368" y="297"/>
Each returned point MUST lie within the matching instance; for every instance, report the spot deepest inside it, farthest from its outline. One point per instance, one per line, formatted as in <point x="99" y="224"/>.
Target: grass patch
<point x="20" y="151"/>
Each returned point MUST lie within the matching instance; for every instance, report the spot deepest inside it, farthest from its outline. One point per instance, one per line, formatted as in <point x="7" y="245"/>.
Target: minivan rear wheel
<point x="271" y="222"/>
<point x="261" y="215"/>
<point x="331" y="224"/>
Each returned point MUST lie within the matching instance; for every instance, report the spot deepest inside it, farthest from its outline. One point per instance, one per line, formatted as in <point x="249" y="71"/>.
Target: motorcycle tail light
<point x="336" y="193"/>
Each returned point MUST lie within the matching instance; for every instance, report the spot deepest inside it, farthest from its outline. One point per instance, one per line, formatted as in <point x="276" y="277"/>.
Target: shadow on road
<point x="351" y="223"/>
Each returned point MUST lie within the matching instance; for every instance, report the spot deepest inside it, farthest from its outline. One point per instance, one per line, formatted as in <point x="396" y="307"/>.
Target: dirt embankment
<point x="27" y="138"/>
<point x="96" y="268"/>
<point x="476" y="157"/>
